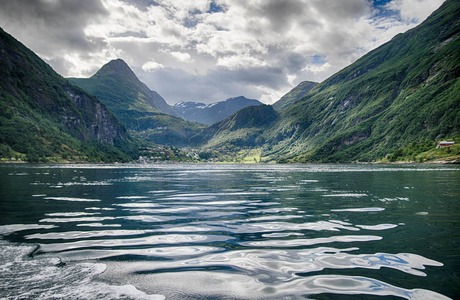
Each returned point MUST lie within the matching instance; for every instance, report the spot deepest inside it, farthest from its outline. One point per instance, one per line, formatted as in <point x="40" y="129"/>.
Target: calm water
<point x="229" y="232"/>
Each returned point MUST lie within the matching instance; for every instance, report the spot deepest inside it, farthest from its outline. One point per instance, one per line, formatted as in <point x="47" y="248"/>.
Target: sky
<point x="210" y="50"/>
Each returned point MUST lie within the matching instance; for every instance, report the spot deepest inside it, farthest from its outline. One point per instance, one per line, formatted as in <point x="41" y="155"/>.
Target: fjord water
<point x="229" y="231"/>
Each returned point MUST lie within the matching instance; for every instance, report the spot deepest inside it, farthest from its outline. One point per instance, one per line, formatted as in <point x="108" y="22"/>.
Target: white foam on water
<point x="82" y="219"/>
<point x="354" y="195"/>
<point x="22" y="277"/>
<point x="138" y="204"/>
<point x="132" y="197"/>
<point x="363" y="209"/>
<point x="271" y="272"/>
<point x="161" y="252"/>
<point x="162" y="191"/>
<point x="377" y="227"/>
<point x="72" y="199"/>
<point x="98" y="225"/>
<point x="394" y="199"/>
<point x="263" y="227"/>
<point x="19" y="174"/>
<point x="7" y="229"/>
<point x="223" y="202"/>
<point x="71" y="235"/>
<point x="281" y="234"/>
<point x="183" y="229"/>
<point x="99" y="208"/>
<point x="151" y="218"/>
<point x="71" y="214"/>
<point x="274" y="217"/>
<point x="422" y="213"/>
<point x="164" y="239"/>
<point x="314" y="241"/>
<point x="84" y="183"/>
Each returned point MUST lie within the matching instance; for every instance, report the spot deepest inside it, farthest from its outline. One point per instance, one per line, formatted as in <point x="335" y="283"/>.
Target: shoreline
<point x="436" y="162"/>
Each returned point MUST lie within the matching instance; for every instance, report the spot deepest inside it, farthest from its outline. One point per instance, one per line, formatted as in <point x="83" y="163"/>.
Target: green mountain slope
<point x="143" y="111"/>
<point x="44" y="117"/>
<point x="295" y="94"/>
<point x="406" y="90"/>
<point x="242" y="129"/>
<point x="116" y="85"/>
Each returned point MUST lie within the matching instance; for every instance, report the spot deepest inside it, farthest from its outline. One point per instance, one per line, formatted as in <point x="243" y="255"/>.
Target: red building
<point x="445" y="144"/>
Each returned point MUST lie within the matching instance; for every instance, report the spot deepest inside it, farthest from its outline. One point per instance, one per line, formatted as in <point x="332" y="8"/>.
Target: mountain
<point x="212" y="113"/>
<point x="295" y="94"/>
<point x="242" y="129"/>
<point x="141" y="110"/>
<point x="116" y="85"/>
<point x="404" y="91"/>
<point x="44" y="117"/>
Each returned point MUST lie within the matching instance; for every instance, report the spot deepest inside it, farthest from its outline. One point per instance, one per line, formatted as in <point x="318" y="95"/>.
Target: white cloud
<point x="414" y="10"/>
<point x="255" y="48"/>
<point x="239" y="62"/>
<point x="182" y="56"/>
<point x="151" y="66"/>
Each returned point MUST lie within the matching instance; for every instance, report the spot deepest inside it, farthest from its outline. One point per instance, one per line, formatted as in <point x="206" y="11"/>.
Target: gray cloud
<point x="217" y="85"/>
<point x="281" y="13"/>
<point x="61" y="22"/>
<point x="339" y="10"/>
<point x="208" y="50"/>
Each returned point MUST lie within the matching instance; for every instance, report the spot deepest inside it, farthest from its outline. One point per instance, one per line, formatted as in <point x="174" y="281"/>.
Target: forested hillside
<point x="141" y="110"/>
<point x="45" y="118"/>
<point x="405" y="91"/>
<point x="295" y="94"/>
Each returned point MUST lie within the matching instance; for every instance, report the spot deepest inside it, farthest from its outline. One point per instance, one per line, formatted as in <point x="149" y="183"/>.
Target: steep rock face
<point x="215" y="112"/>
<point x="141" y="110"/>
<point x="116" y="85"/>
<point x="100" y="122"/>
<point x="41" y="110"/>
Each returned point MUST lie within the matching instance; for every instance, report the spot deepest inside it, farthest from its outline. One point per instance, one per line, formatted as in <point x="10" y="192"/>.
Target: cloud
<point x="210" y="50"/>
<point x="414" y="10"/>
<point x="55" y="29"/>
<point x="181" y="56"/>
<point x="150" y="66"/>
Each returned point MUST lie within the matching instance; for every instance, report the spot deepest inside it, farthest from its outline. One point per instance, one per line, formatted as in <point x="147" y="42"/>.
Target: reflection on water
<point x="229" y="231"/>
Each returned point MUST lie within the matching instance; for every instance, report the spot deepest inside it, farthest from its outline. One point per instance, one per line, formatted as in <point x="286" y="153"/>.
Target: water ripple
<point x="231" y="231"/>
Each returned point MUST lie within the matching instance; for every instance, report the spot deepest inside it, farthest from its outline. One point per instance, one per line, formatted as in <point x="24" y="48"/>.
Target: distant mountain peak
<point x="118" y="68"/>
<point x="214" y="112"/>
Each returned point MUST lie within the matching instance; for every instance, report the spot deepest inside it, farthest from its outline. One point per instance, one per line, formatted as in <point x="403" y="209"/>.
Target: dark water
<point x="229" y="232"/>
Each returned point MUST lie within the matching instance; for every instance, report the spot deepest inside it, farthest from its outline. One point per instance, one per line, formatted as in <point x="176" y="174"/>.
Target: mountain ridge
<point x="404" y="91"/>
<point x="211" y="113"/>
<point x="42" y="115"/>
<point x="133" y="93"/>
<point x="295" y="94"/>
<point x="144" y="112"/>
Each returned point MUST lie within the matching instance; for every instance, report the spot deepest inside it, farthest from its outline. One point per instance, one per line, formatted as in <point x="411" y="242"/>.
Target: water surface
<point x="229" y="231"/>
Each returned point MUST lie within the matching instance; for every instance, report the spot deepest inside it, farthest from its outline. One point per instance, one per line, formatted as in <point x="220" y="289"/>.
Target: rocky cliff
<point x="43" y="115"/>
